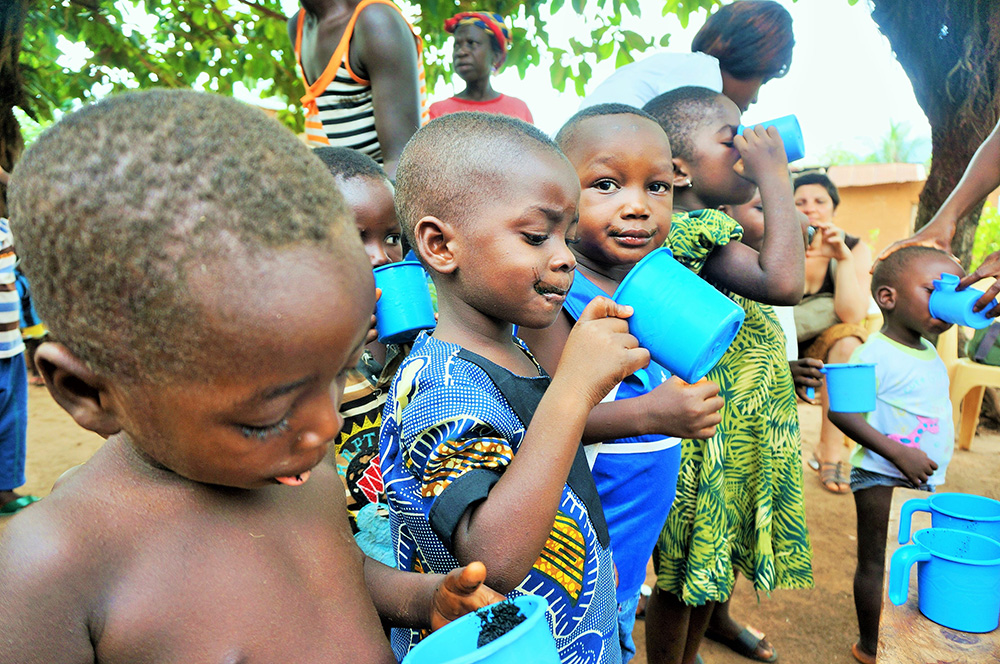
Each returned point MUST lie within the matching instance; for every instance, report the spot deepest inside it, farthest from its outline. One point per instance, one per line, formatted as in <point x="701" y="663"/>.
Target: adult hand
<point x="828" y="243"/>
<point x="990" y="267"/>
<point x="937" y="238"/>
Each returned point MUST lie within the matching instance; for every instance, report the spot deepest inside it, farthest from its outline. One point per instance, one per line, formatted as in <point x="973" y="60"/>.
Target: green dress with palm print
<point x="739" y="501"/>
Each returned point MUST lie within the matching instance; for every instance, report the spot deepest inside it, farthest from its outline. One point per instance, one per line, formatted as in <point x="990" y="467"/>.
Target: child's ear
<point x="682" y="175"/>
<point x="436" y="244"/>
<point x="75" y="387"/>
<point x="885" y="297"/>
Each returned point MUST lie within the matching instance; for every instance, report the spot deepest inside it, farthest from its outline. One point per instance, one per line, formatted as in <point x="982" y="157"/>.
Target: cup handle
<point x="906" y="512"/>
<point x="811" y="392"/>
<point x="899" y="571"/>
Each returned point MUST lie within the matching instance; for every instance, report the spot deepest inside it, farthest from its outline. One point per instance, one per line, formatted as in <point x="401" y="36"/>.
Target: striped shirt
<point x="338" y="105"/>
<point x="10" y="303"/>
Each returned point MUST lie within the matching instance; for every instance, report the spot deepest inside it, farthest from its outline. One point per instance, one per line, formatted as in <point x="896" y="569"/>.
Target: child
<point x="907" y="440"/>
<point x="481" y="451"/>
<point x="368" y="193"/>
<point x="622" y="160"/>
<point x="739" y="495"/>
<point x="32" y="328"/>
<point x="197" y="265"/>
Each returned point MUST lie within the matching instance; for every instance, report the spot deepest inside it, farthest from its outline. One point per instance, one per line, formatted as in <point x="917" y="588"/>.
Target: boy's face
<point x="711" y="168"/>
<point x="371" y="200"/>
<point x="282" y="333"/>
<point x="513" y="262"/>
<point x="750" y="216"/>
<point x="913" y="293"/>
<point x="623" y="163"/>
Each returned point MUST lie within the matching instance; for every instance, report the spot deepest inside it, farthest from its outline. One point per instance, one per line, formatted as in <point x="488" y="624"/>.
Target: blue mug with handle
<point x="405" y="307"/>
<point x="957" y="511"/>
<point x="457" y="642"/>
<point x="850" y="387"/>
<point x="955" y="306"/>
<point x="958" y="578"/>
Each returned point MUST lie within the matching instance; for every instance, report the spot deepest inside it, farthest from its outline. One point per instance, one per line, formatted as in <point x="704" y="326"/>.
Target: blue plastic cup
<point x="958" y="578"/>
<point x="405" y="308"/>
<point x="683" y="321"/>
<point x="955" y="306"/>
<point x="955" y="511"/>
<point x="791" y="135"/>
<point x="850" y="387"/>
<point x="456" y="642"/>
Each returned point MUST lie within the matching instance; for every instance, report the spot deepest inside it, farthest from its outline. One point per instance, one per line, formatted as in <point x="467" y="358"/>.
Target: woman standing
<point x="829" y="319"/>
<point x="480" y="49"/>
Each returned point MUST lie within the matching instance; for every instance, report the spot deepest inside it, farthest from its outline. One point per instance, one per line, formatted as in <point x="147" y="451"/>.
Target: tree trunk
<point x="12" y="13"/>
<point x="950" y="50"/>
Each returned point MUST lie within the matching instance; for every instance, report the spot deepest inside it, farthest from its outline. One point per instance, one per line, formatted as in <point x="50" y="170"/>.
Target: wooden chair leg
<point x="971" y="405"/>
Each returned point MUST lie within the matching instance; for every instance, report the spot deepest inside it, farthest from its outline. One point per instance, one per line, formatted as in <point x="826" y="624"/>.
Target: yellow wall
<point x="879" y="214"/>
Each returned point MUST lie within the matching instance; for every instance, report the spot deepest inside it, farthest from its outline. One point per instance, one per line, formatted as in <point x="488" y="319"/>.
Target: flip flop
<point x="18" y="504"/>
<point x="862" y="657"/>
<point x="745" y="643"/>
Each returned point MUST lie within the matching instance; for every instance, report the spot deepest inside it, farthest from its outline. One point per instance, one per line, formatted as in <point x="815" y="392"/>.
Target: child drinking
<point x="622" y="160"/>
<point x="209" y="295"/>
<point x="481" y="449"/>
<point x="739" y="494"/>
<point x="907" y="440"/>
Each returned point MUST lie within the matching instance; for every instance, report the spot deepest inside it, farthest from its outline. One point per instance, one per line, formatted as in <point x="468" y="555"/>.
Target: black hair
<point x="445" y="165"/>
<point x="118" y="202"/>
<point x="682" y="111"/>
<point x="893" y="268"/>
<point x="749" y="38"/>
<point x="822" y="180"/>
<point x="347" y="163"/>
<point x="565" y="134"/>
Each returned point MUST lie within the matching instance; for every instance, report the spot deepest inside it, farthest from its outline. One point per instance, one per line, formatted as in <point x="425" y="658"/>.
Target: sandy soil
<point x="803" y="625"/>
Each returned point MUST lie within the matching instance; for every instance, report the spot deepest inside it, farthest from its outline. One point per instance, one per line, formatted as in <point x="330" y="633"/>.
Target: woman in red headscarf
<point x="481" y="42"/>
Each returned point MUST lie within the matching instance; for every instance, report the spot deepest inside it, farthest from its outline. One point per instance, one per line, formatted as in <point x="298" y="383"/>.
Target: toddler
<point x="622" y="160"/>
<point x="907" y="440"/>
<point x="368" y="193"/>
<point x="739" y="495"/>
<point x="209" y="295"/>
<point x="481" y="449"/>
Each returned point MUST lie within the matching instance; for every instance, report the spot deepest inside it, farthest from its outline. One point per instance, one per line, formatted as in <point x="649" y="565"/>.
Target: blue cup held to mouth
<point x="850" y="387"/>
<point x="456" y="642"/>
<point x="405" y="307"/>
<point x="958" y="578"/>
<point x="791" y="135"/>
<point x="684" y="322"/>
<point x="954" y="306"/>
<point x="956" y="511"/>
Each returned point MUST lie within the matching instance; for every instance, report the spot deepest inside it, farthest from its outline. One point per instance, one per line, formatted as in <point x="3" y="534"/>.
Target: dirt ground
<point x="803" y="625"/>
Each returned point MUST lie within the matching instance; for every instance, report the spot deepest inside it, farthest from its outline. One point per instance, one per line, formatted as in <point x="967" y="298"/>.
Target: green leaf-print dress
<point x="739" y="501"/>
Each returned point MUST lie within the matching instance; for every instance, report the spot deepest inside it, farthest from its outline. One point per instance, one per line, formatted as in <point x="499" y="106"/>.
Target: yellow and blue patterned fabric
<point x="635" y="476"/>
<point x="739" y="501"/>
<point x="452" y="424"/>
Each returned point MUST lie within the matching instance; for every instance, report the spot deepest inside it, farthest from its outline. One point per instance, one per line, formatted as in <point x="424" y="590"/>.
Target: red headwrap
<point x="492" y="23"/>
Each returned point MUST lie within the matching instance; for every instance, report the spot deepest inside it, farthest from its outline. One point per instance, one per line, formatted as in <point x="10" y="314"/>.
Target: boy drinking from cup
<point x="908" y="439"/>
<point x="481" y="450"/>
<point x="209" y="295"/>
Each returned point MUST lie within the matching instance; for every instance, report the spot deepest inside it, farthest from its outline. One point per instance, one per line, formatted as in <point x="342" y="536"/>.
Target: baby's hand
<point x="762" y="154"/>
<point x="600" y="352"/>
<point x="686" y="411"/>
<point x="461" y="592"/>
<point x="372" y="332"/>
<point x="913" y="463"/>
<point x="805" y="374"/>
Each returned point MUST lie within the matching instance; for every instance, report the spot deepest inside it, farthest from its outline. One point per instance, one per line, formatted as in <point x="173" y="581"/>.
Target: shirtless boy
<point x="209" y="292"/>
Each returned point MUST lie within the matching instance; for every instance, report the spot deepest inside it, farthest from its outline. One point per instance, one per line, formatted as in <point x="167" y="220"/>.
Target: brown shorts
<point x="819" y="348"/>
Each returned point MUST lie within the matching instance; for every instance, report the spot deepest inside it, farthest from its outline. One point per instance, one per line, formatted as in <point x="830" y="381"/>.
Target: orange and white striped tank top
<point x="338" y="105"/>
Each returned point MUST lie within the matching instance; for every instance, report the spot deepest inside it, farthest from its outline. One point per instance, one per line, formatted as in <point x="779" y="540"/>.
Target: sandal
<point x="745" y="643"/>
<point x="862" y="656"/>
<point x="18" y="504"/>
<point x="830" y="476"/>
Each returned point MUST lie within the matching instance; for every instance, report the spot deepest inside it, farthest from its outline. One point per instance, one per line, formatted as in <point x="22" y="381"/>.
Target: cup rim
<point x="402" y="263"/>
<point x="933" y="500"/>
<point x="965" y="561"/>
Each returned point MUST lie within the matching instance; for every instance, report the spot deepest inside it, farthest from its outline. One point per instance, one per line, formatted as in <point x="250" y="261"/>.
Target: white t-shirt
<point x="786" y="316"/>
<point x="638" y="82"/>
<point x="913" y="406"/>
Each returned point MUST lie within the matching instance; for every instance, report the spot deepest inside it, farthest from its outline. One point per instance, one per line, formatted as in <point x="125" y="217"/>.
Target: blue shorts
<point x="626" y="623"/>
<point x="866" y="479"/>
<point x="13" y="421"/>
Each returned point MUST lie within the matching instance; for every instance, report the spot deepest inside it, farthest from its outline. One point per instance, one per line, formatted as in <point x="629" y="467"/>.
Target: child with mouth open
<point x="209" y="293"/>
<point x="622" y="160"/>
<point x="480" y="448"/>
